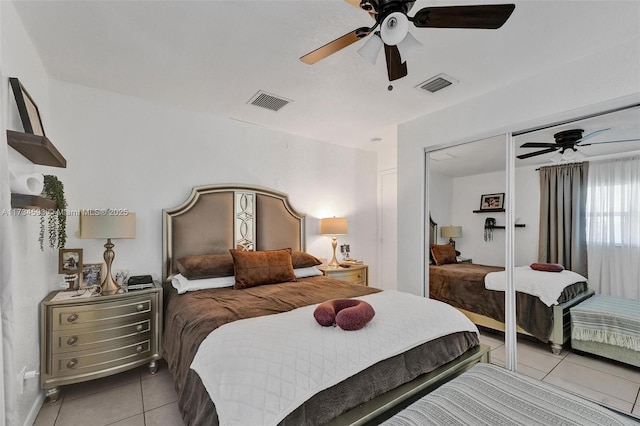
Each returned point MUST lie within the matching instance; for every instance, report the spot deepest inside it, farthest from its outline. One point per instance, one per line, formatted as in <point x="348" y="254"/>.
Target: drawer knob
<point x="72" y="363"/>
<point x="139" y="348"/>
<point x="72" y="340"/>
<point x="72" y="317"/>
<point x="140" y="307"/>
<point x="139" y="327"/>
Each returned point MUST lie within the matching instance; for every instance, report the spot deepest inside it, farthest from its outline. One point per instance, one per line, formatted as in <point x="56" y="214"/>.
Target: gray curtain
<point x="563" y="226"/>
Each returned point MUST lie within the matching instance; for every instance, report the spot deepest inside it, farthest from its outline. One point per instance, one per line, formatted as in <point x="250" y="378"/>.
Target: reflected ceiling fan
<point x="567" y="144"/>
<point x="391" y="29"/>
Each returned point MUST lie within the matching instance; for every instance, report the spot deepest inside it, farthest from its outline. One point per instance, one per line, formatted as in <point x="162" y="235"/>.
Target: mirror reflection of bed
<point x="459" y="175"/>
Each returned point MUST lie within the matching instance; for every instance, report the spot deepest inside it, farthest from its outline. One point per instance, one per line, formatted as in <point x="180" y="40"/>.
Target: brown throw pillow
<point x="547" y="267"/>
<point x="301" y="259"/>
<point x="205" y="266"/>
<point x="253" y="268"/>
<point x="443" y="254"/>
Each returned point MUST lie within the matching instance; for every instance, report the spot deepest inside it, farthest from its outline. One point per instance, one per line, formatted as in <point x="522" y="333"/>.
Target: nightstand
<point x="86" y="338"/>
<point x="357" y="274"/>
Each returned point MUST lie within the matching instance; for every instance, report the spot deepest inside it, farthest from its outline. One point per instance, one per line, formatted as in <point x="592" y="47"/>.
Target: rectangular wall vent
<point x="268" y="101"/>
<point x="436" y="83"/>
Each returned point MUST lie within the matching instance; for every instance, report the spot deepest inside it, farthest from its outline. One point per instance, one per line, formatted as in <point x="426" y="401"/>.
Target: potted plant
<point x="56" y="219"/>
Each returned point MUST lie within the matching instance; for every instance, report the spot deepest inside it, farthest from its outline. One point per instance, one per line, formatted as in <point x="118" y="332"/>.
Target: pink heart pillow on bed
<point x="348" y="314"/>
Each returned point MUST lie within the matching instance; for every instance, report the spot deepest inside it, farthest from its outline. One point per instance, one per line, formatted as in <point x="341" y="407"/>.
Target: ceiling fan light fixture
<point x="556" y="158"/>
<point x="408" y="47"/>
<point x="394" y="28"/>
<point x="371" y="49"/>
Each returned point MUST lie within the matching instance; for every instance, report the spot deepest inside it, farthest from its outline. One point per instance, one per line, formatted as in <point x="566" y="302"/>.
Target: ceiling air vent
<point x="436" y="83"/>
<point x="265" y="100"/>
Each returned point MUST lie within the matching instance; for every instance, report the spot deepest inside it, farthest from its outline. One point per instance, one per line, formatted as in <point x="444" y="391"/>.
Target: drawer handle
<point x="140" y="307"/>
<point x="72" y="340"/>
<point x="139" y="348"/>
<point x="139" y="327"/>
<point x="72" y="317"/>
<point x="72" y="363"/>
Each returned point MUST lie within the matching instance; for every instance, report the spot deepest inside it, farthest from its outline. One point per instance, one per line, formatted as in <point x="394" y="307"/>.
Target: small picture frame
<point x="492" y="202"/>
<point x="122" y="277"/>
<point x="29" y="113"/>
<point x="69" y="261"/>
<point x="92" y="274"/>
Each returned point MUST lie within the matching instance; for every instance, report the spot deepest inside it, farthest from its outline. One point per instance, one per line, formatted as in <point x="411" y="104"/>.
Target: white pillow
<point x="307" y="272"/>
<point x="180" y="283"/>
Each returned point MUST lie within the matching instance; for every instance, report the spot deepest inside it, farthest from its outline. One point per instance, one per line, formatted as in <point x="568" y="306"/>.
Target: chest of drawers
<point x="88" y="338"/>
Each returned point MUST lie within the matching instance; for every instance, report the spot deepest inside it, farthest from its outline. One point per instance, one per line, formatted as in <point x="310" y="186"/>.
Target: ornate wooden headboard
<point x="216" y="218"/>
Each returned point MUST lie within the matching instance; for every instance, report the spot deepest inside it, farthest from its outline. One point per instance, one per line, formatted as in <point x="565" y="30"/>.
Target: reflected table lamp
<point x="451" y="232"/>
<point x="333" y="226"/>
<point x="101" y="226"/>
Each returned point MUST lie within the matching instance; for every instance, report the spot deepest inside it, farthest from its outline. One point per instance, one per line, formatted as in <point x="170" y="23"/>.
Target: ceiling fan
<point x="392" y="25"/>
<point x="567" y="143"/>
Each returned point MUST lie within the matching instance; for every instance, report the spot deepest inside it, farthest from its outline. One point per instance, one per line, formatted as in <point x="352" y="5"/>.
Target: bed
<point x="462" y="286"/>
<point x="219" y="217"/>
<point x="490" y="395"/>
<point x="607" y="326"/>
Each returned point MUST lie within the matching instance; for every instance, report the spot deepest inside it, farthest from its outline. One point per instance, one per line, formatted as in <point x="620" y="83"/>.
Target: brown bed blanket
<point x="190" y="317"/>
<point x="462" y="285"/>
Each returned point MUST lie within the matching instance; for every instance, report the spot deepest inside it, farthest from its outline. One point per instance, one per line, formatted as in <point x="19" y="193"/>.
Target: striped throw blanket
<point x="488" y="395"/>
<point x="606" y="319"/>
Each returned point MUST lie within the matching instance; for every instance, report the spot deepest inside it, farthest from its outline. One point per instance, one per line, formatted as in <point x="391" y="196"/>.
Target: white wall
<point x="611" y="77"/>
<point x="32" y="273"/>
<point x="466" y="198"/>
<point x="125" y="152"/>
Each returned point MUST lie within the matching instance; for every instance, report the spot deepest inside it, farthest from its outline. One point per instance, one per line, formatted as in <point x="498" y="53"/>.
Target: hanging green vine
<point x="56" y="219"/>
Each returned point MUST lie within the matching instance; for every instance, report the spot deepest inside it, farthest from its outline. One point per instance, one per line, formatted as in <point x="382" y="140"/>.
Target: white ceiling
<point x="213" y="56"/>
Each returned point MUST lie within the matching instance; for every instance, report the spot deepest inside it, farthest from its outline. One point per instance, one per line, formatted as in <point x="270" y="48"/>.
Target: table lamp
<point x="105" y="226"/>
<point x="333" y="226"/>
<point x="451" y="232"/>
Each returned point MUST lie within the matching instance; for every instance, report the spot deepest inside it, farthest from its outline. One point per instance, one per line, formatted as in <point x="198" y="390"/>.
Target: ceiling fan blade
<point x="337" y="44"/>
<point x="598" y="143"/>
<point x="488" y="16"/>
<point x="395" y="67"/>
<point x="592" y="134"/>
<point x="533" y="154"/>
<point x="537" y="145"/>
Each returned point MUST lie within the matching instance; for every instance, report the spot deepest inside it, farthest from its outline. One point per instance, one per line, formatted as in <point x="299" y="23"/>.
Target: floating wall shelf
<point x="23" y="201"/>
<point x="488" y="210"/>
<point x="517" y="225"/>
<point x="38" y="149"/>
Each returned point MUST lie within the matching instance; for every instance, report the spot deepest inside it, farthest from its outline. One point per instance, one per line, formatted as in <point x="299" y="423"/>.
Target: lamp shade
<point x="333" y="226"/>
<point x="451" y="231"/>
<point x="394" y="28"/>
<point x="106" y="226"/>
<point x="370" y="50"/>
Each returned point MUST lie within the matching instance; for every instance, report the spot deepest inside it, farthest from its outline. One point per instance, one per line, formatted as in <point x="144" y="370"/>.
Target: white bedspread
<point x="258" y="370"/>
<point x="547" y="286"/>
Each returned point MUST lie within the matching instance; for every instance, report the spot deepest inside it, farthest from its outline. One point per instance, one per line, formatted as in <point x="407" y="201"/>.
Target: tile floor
<point x="136" y="398"/>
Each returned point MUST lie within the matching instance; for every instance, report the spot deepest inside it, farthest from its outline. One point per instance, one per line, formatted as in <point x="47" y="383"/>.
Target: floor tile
<point x="527" y="357"/>
<point x="605" y="383"/>
<point x="610" y="367"/>
<point x="48" y="414"/>
<point x="491" y="340"/>
<point x="167" y="415"/>
<point x="137" y="420"/>
<point x="158" y="390"/>
<point x="80" y="390"/>
<point x="102" y="408"/>
<point x="589" y="393"/>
